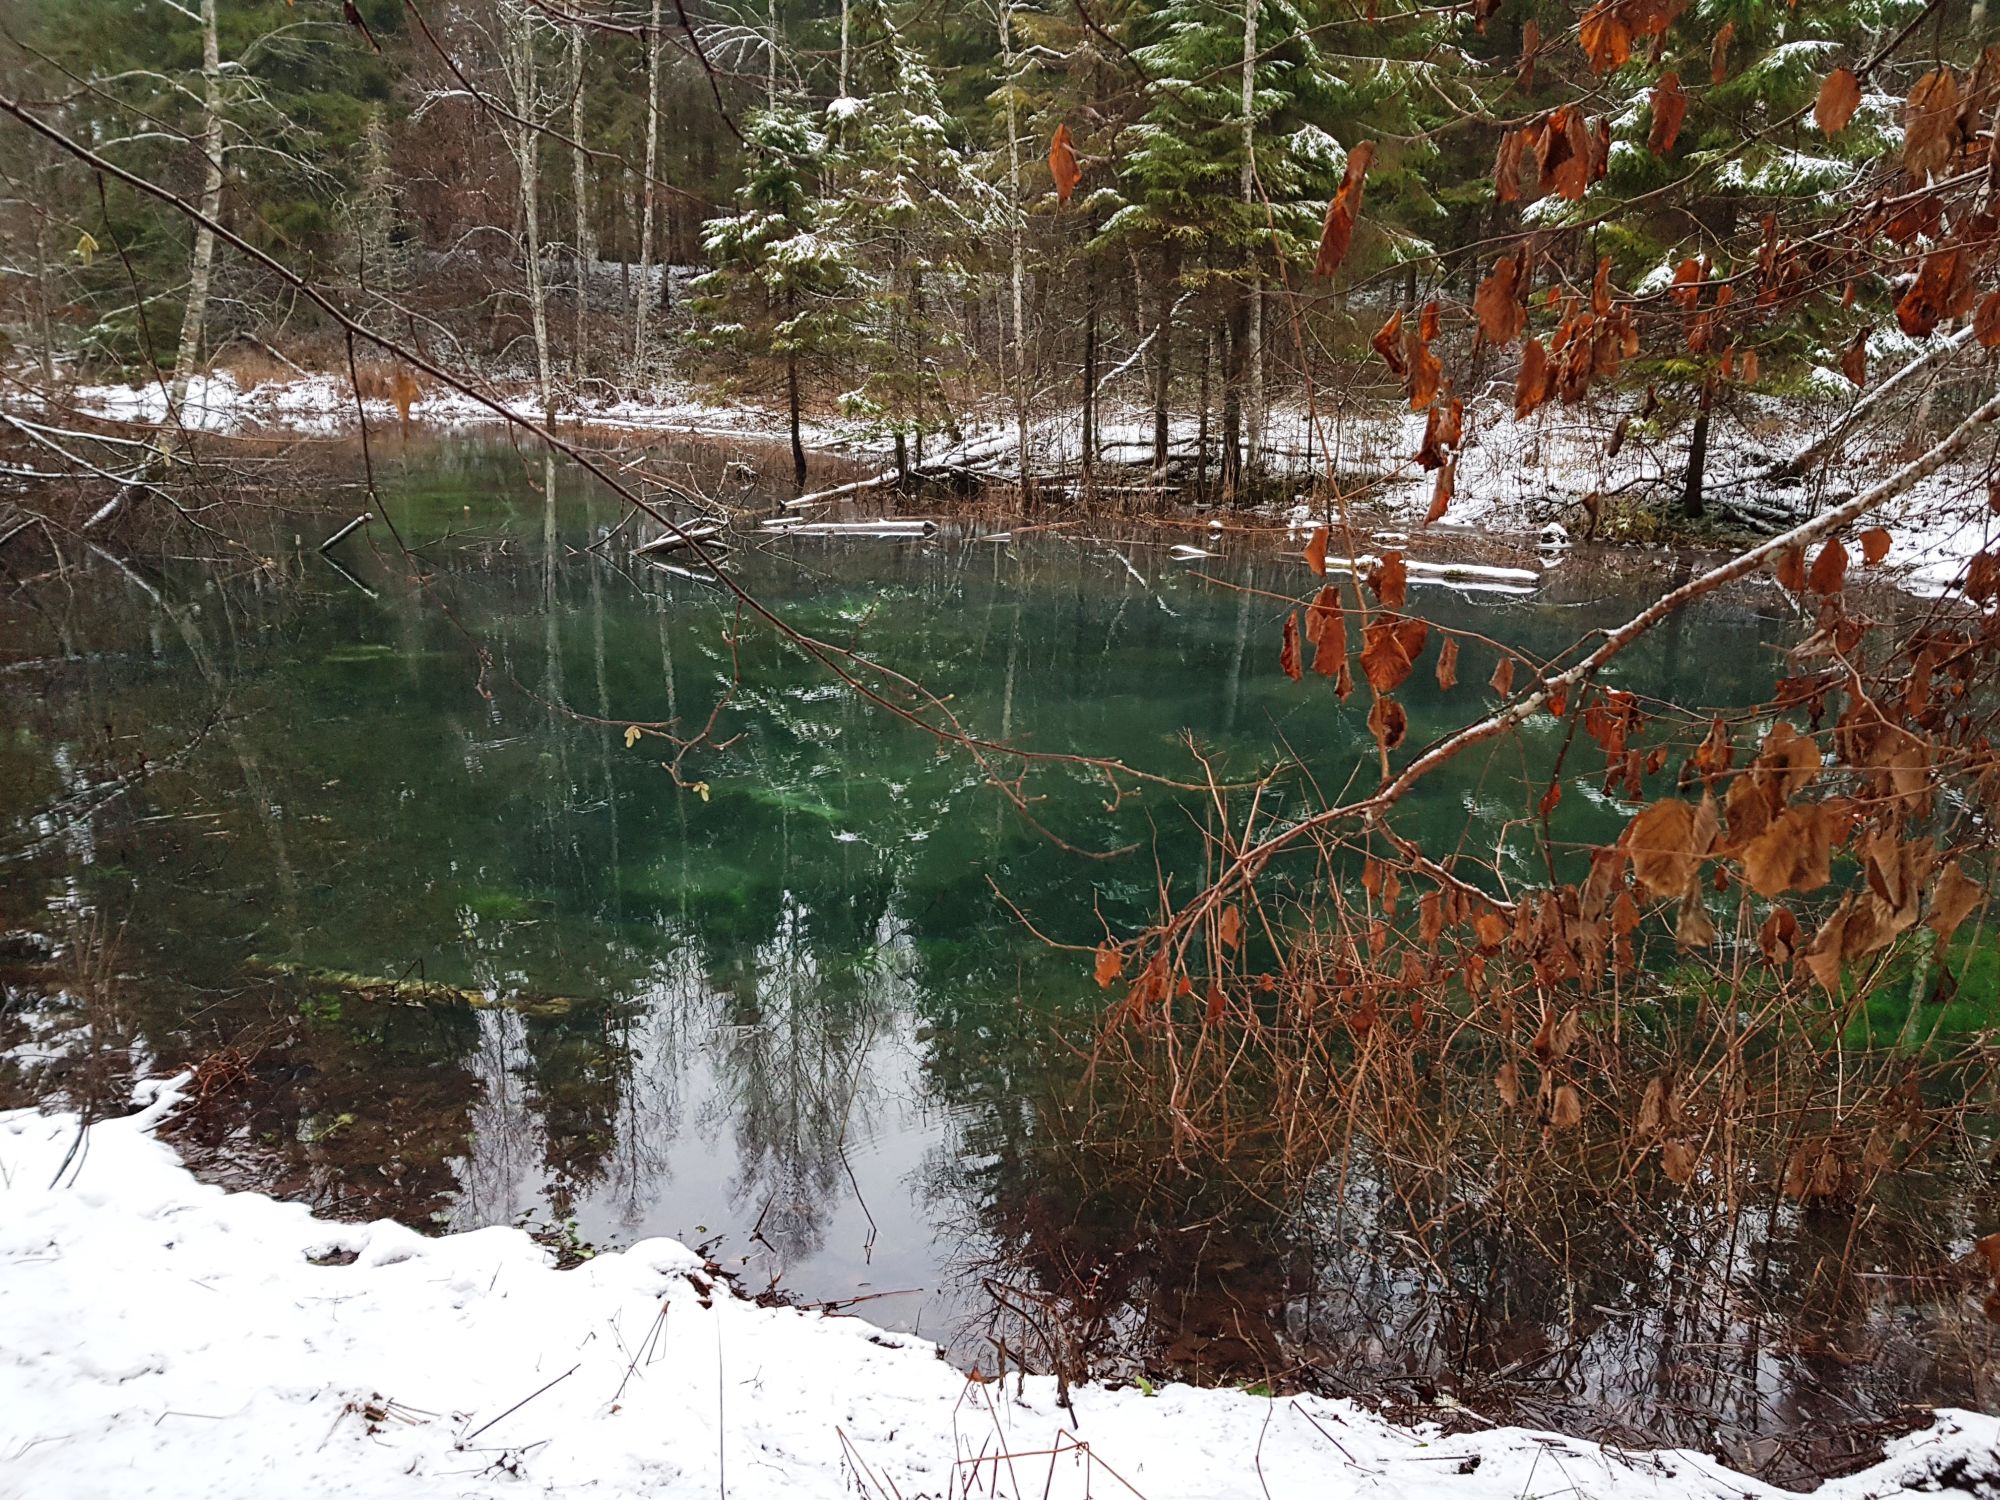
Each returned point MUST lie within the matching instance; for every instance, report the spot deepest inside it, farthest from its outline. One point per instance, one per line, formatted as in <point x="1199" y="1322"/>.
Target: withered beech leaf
<point x="1388" y="723"/>
<point x="1326" y="628"/>
<point x="1502" y="680"/>
<point x="1388" y="342"/>
<point x="1670" y="107"/>
<point x="1718" y="52"/>
<point x="1288" y="653"/>
<point x="1667" y="842"/>
<point x="1839" y="97"/>
<point x="1790" y="569"/>
<point x="1316" y="552"/>
<point x="1854" y="363"/>
<point x="1110" y="964"/>
<point x="1447" y="664"/>
<point x="1536" y="379"/>
<point x="1986" y="321"/>
<point x="1062" y="164"/>
<point x="1952" y="900"/>
<point x="1337" y="232"/>
<point x="1829" y="569"/>
<point x="1447" y="482"/>
<point x="1930" y="122"/>
<point x="1943" y="289"/>
<point x="1389" y="650"/>
<point x="1389" y="580"/>
<point x="1874" y="545"/>
<point x="1497" y="304"/>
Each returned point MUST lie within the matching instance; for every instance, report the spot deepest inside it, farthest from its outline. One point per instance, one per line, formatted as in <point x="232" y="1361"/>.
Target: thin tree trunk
<point x="644" y="305"/>
<point x="844" y="5"/>
<point x="1089" y="373"/>
<point x="1251" y="360"/>
<point x="1691" y="491"/>
<point x="527" y="160"/>
<point x="1232" y="404"/>
<point x="1201" y="436"/>
<point x="1163" y="362"/>
<point x="194" y="318"/>
<point x="582" y="251"/>
<point x="792" y="411"/>
<point x="1019" y="256"/>
<point x="771" y="66"/>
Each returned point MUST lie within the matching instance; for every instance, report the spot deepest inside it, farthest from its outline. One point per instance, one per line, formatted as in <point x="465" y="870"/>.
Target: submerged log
<point x="425" y="993"/>
<point x="894" y="528"/>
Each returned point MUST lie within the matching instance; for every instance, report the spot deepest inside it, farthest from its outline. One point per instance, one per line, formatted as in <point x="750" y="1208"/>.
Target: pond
<point x="817" y="997"/>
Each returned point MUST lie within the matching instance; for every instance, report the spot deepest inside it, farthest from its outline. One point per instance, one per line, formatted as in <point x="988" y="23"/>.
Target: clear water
<point x="789" y="1016"/>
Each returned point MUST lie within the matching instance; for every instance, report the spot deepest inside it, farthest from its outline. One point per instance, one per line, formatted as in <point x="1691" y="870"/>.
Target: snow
<point x="160" y="1336"/>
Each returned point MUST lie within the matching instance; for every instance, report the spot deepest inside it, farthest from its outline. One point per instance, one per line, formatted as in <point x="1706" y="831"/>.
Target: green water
<point x="792" y="1017"/>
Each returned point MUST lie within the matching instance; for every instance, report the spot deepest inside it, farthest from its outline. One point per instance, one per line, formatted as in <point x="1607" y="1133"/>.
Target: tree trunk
<point x="1163" y="362"/>
<point x="582" y="251"/>
<point x="792" y="411"/>
<point x="1250" y="362"/>
<point x="1201" y="434"/>
<point x="644" y="305"/>
<point x="1019" y="256"/>
<point x="194" y="318"/>
<point x="1232" y="403"/>
<point x="1089" y="373"/>
<point x="1691" y="505"/>
<point x="527" y="161"/>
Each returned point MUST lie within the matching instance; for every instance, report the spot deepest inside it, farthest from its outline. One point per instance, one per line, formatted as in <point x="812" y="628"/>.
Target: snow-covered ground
<point x="159" y="1336"/>
<point x="1513" y="477"/>
<point x="324" y="405"/>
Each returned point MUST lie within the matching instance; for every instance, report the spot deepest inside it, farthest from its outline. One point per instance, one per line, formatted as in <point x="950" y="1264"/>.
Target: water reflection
<point x="450" y="949"/>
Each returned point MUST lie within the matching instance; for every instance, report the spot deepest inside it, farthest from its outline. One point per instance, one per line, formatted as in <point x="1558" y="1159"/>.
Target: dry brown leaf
<point x="1497" y="304"/>
<point x="1854" y="362"/>
<point x="1718" y="52"/>
<point x="1829" y="569"/>
<point x="1502" y="680"/>
<point x="1567" y="1110"/>
<point x="1062" y="164"/>
<point x="1389" y="651"/>
<point x="1288" y="653"/>
<point x="1447" y="483"/>
<point x="1677" y="1162"/>
<point x="1447" y="664"/>
<point x="1666" y="843"/>
<point x="1874" y="545"/>
<point x="1942" y="290"/>
<point x="1388" y="342"/>
<point x="1389" y="580"/>
<point x="1316" y="552"/>
<point x="1952" y="900"/>
<point x="1930" y="124"/>
<point x="1110" y="964"/>
<point x="1388" y="723"/>
<point x="1670" y="107"/>
<point x="1986" y="321"/>
<point x="1337" y="232"/>
<point x="1536" y="379"/>
<point x="1839" y="97"/>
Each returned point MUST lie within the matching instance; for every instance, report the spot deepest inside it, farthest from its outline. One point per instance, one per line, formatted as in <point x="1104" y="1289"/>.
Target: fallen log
<point x="700" y="531"/>
<point x="893" y="529"/>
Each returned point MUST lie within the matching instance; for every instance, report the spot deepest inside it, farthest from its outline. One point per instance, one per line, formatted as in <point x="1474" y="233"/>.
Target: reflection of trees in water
<point x="1092" y="1245"/>
<point x="800" y="1019"/>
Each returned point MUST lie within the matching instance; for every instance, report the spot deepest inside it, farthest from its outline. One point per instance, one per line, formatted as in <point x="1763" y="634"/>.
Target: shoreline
<point x="166" y="1336"/>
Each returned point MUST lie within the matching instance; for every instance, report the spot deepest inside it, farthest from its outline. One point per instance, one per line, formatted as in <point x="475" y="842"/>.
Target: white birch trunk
<point x="582" y="250"/>
<point x="1019" y="258"/>
<point x="643" y="305"/>
<point x="195" y="317"/>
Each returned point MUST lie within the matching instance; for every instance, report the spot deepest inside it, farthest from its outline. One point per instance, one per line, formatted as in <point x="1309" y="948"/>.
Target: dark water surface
<point x="781" y="1010"/>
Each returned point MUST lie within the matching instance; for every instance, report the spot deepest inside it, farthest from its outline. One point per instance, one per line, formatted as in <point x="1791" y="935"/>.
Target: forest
<point x="855" y="747"/>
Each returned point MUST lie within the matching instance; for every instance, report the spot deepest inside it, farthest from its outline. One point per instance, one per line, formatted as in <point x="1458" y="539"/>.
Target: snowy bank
<point x="159" y="1336"/>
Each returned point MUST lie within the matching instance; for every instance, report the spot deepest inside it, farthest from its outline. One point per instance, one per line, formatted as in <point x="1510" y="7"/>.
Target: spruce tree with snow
<point x="781" y="291"/>
<point x="904" y="202"/>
